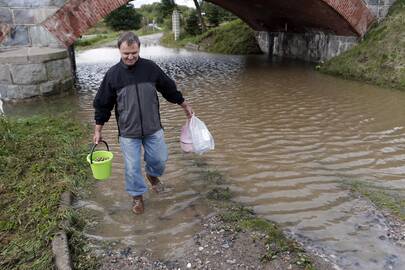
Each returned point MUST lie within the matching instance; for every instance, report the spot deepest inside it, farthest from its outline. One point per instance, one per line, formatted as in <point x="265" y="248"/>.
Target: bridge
<point x="35" y="35"/>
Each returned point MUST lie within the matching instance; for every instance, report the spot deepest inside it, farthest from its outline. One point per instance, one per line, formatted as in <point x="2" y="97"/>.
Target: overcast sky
<point x="138" y="3"/>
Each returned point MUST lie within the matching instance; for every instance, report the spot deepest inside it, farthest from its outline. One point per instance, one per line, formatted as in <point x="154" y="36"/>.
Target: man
<point x="130" y="86"/>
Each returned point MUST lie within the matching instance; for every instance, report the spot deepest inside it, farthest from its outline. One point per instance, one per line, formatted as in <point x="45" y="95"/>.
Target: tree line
<point x="194" y="21"/>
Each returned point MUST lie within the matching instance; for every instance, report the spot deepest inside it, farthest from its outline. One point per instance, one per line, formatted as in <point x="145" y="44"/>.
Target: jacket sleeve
<point x="104" y="101"/>
<point x="167" y="87"/>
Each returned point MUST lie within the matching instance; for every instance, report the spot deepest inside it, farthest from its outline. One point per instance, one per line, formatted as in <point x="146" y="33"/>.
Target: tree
<point x="192" y="27"/>
<point x="150" y="12"/>
<point x="198" y="8"/>
<point x="124" y="18"/>
<point x="216" y="15"/>
<point x="212" y="13"/>
<point x="166" y="8"/>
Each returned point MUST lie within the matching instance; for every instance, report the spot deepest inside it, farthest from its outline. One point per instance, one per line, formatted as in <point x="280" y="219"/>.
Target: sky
<point x="138" y="3"/>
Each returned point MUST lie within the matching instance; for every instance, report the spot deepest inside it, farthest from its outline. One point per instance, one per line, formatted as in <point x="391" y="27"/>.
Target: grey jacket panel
<point x="131" y="92"/>
<point x="138" y="110"/>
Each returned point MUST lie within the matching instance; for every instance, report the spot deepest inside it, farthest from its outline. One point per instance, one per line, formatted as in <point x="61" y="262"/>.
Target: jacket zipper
<point x="139" y="107"/>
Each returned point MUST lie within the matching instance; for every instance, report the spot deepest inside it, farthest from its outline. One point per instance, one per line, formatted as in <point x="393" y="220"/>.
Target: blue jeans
<point x="155" y="157"/>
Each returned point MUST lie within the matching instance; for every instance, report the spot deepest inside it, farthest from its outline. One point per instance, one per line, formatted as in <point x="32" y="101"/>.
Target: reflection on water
<point x="286" y="137"/>
<point x="67" y="102"/>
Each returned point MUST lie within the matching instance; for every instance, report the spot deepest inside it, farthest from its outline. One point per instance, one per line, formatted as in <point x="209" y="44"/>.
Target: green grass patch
<point x="168" y="40"/>
<point x="213" y="177"/>
<point x="99" y="39"/>
<point x="380" y="57"/>
<point x="234" y="37"/>
<point x="95" y="40"/>
<point x="40" y="157"/>
<point x="387" y="199"/>
<point x="219" y="194"/>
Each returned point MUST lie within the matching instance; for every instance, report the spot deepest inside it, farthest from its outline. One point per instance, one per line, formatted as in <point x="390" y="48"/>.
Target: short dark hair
<point x="128" y="37"/>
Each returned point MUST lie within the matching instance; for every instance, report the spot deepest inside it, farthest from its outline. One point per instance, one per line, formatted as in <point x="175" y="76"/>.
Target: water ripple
<point x="286" y="137"/>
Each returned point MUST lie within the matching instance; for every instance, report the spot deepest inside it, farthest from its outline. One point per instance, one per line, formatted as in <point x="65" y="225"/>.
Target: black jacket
<point x="132" y="90"/>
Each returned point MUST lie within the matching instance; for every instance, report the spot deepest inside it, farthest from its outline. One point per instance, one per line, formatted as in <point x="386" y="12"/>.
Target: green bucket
<point x="101" y="169"/>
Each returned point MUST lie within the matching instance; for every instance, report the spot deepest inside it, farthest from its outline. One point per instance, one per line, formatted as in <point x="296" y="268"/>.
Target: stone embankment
<point x="29" y="71"/>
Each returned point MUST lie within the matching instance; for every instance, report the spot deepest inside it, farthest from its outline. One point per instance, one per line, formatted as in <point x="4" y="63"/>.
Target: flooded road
<point x="286" y="139"/>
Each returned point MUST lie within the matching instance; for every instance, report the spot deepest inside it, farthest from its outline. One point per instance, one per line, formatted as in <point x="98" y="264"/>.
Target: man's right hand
<point x="97" y="134"/>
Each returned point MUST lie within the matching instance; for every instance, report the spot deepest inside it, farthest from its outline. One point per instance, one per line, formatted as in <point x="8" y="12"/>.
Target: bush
<point x="216" y="15"/>
<point x="235" y="37"/>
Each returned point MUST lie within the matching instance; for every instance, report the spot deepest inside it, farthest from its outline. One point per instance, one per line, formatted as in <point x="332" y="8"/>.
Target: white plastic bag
<point x="186" y="143"/>
<point x="200" y="136"/>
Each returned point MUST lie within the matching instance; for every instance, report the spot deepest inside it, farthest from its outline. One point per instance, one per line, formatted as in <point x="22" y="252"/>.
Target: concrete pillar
<point x="72" y="56"/>
<point x="176" y="24"/>
<point x="270" y="37"/>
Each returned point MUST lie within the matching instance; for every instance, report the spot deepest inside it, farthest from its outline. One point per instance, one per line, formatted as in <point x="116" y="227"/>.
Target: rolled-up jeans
<point x="155" y="157"/>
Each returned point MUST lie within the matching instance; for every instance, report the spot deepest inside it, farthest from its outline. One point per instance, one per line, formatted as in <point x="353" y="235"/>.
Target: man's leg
<point x="134" y="181"/>
<point x="155" y="158"/>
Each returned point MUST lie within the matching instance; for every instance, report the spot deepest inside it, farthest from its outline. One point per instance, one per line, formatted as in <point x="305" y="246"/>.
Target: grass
<point x="40" y="157"/>
<point x="98" y="39"/>
<point x="392" y="201"/>
<point x="380" y="57"/>
<point x="234" y="37"/>
<point x="239" y="217"/>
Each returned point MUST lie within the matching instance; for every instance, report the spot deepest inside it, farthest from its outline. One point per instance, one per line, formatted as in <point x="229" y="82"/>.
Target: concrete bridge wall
<point x="30" y="28"/>
<point x="315" y="45"/>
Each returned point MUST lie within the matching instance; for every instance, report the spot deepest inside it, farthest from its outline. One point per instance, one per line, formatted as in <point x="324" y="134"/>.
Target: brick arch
<point x="76" y="16"/>
<point x="341" y="17"/>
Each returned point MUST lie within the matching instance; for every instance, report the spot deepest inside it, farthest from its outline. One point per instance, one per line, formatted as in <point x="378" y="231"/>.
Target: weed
<point x="40" y="158"/>
<point x="219" y="194"/>
<point x="390" y="200"/>
<point x="234" y="37"/>
<point x="213" y="177"/>
<point x="379" y="57"/>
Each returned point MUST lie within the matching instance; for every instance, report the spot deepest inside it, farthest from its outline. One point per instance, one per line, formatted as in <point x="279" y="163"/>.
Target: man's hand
<point x="97" y="134"/>
<point x="187" y="109"/>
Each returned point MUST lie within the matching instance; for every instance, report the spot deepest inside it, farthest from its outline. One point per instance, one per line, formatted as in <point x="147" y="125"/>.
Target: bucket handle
<point x="94" y="147"/>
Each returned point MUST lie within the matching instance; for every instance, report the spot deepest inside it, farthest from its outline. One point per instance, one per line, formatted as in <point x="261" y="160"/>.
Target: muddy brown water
<point x="286" y="138"/>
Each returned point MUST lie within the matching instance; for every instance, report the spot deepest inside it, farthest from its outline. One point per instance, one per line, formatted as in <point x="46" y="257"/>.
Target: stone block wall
<point x="311" y="46"/>
<point x="316" y="46"/>
<point x="263" y="41"/>
<point x="20" y="23"/>
<point x="29" y="72"/>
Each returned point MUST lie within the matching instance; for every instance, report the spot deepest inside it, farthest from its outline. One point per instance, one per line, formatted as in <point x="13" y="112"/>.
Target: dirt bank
<point x="379" y="58"/>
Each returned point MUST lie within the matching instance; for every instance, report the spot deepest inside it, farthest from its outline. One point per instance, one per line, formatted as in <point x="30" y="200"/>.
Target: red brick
<point x="344" y="17"/>
<point x="76" y="16"/>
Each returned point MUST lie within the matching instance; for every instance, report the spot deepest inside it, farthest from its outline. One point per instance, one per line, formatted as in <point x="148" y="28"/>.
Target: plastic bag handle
<point x="94" y="147"/>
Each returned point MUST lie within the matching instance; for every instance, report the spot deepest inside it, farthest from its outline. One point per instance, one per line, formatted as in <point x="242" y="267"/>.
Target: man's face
<point x="129" y="53"/>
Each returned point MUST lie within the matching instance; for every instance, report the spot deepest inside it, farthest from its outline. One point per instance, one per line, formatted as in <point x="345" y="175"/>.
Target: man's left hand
<point x="187" y="109"/>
